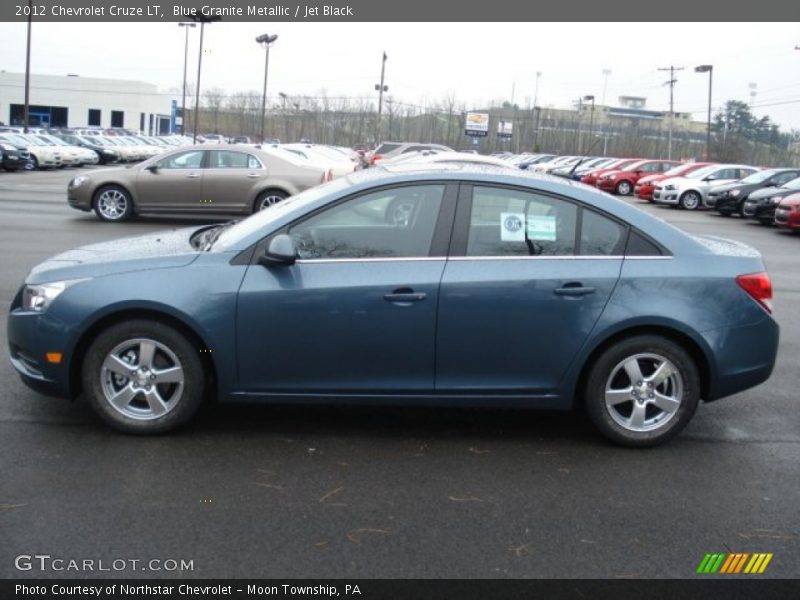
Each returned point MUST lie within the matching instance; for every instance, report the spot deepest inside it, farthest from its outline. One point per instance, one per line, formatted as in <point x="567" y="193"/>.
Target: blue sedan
<point x="437" y="285"/>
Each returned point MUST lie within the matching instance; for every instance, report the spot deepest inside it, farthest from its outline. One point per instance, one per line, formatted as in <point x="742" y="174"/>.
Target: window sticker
<point x="541" y="228"/>
<point x="512" y="227"/>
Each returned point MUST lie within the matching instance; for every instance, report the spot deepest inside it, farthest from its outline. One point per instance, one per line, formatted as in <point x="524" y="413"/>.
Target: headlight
<point x="774" y="200"/>
<point x="8" y="148"/>
<point x="78" y="181"/>
<point x="735" y="193"/>
<point x="38" y="298"/>
<point x="670" y="187"/>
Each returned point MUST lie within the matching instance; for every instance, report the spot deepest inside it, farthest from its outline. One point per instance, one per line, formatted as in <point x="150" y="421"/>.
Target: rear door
<point x="229" y="178"/>
<point x="528" y="277"/>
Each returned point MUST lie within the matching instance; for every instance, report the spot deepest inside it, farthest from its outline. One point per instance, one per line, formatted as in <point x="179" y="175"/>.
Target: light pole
<point x="266" y="41"/>
<point x="187" y="26"/>
<point x="28" y="70"/>
<point x="202" y="19"/>
<point x="606" y="73"/>
<point x="710" y="70"/>
<point x="591" y="117"/>
<point x="380" y="88"/>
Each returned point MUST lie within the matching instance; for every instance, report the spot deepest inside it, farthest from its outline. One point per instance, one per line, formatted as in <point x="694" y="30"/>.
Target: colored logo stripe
<point x="734" y="563"/>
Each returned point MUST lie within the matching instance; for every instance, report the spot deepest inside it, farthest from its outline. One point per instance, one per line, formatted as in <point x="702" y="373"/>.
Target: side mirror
<point x="710" y="178"/>
<point x="152" y="168"/>
<point x="280" y="252"/>
<point x="771" y="184"/>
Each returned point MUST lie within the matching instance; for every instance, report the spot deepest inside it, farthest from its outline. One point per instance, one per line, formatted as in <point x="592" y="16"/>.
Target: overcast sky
<point x="477" y="62"/>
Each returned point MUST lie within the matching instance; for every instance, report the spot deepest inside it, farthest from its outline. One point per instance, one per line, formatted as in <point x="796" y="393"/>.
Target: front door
<point x="357" y="312"/>
<point x="527" y="280"/>
<point x="176" y="184"/>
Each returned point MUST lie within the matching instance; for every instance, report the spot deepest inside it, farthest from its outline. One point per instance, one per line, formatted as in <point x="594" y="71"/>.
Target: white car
<point x="431" y="157"/>
<point x="553" y="163"/>
<point x="328" y="158"/>
<point x="127" y="153"/>
<point x="75" y="155"/>
<point x="691" y="191"/>
<point x="42" y="155"/>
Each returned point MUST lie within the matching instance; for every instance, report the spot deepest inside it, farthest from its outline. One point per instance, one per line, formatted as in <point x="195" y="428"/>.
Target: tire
<point x="690" y="200"/>
<point x="624" y="188"/>
<point x="144" y="406"/>
<point x="268" y="198"/>
<point x="113" y="204"/>
<point x="643" y="415"/>
<point x="32" y="164"/>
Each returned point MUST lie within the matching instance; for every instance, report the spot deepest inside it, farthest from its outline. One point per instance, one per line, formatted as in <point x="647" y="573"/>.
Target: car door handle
<point x="253" y="175"/>
<point x="405" y="296"/>
<point x="574" y="289"/>
<point x="192" y="176"/>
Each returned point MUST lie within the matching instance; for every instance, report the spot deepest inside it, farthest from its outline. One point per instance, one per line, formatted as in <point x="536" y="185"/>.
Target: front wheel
<point x="624" y="188"/>
<point x="642" y="391"/>
<point x="113" y="203"/>
<point x="690" y="200"/>
<point x="143" y="377"/>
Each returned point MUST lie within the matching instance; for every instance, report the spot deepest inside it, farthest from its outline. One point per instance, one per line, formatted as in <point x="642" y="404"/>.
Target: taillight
<point x="327" y="176"/>
<point x="759" y="286"/>
<point x="374" y="158"/>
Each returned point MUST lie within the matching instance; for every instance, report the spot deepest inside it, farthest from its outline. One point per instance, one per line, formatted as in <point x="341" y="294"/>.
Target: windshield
<point x="634" y="166"/>
<point x="260" y="221"/>
<point x="700" y="173"/>
<point x="678" y="169"/>
<point x="758" y="176"/>
<point x="794" y="184"/>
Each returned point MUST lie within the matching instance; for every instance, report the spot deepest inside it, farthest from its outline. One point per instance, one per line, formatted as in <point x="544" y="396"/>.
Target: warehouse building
<point x="73" y="101"/>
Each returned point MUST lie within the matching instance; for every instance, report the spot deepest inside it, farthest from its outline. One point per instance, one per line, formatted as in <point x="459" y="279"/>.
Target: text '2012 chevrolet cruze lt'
<point x="436" y="285"/>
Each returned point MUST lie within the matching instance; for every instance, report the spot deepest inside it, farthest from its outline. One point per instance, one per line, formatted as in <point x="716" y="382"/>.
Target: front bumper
<point x="644" y="192"/>
<point x="663" y="196"/>
<point x="786" y="218"/>
<point x="725" y="204"/>
<point x="80" y="197"/>
<point x="14" y="161"/>
<point x="607" y="185"/>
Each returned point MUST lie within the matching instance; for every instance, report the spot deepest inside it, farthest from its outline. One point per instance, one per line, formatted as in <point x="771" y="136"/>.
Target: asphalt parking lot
<point x="332" y="492"/>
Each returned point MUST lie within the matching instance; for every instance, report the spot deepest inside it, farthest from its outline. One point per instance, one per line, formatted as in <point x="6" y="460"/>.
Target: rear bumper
<point x="745" y="357"/>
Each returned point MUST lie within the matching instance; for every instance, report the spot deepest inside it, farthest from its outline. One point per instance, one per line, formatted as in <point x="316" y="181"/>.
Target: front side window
<point x="182" y="160"/>
<point x="785" y="177"/>
<point x="396" y="222"/>
<point x="506" y="222"/>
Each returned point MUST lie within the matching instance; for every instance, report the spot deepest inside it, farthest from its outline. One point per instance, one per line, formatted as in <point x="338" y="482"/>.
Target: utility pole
<point x="380" y="89"/>
<point x="606" y="73"/>
<point x="671" y="84"/>
<point x="27" y="114"/>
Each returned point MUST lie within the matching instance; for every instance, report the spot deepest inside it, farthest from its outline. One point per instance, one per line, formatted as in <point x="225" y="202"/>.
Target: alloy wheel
<point x="644" y="392"/>
<point x="269" y="200"/>
<point x="112" y="204"/>
<point x="142" y="379"/>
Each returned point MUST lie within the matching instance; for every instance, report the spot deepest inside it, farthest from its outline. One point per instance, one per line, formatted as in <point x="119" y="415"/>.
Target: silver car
<point x="691" y="191"/>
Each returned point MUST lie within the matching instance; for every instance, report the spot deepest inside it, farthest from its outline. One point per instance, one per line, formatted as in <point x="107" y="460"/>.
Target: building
<point x="73" y="101"/>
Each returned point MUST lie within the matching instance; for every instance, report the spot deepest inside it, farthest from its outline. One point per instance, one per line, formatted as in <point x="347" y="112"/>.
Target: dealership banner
<point x="371" y="11"/>
<point x="394" y="589"/>
<point x="505" y="129"/>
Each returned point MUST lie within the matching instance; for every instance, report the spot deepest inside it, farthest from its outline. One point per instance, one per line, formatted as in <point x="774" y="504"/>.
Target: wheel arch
<point x="272" y="186"/>
<point x="682" y="338"/>
<point x="129" y="313"/>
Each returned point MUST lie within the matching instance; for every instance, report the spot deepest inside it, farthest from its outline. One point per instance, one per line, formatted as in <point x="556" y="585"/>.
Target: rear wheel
<point x="690" y="200"/>
<point x="113" y="203"/>
<point x="269" y="198"/>
<point x="642" y="391"/>
<point x="32" y="164"/>
<point x="143" y="377"/>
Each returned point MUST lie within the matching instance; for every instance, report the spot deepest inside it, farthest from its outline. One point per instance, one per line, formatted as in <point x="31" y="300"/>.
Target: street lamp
<point x="265" y="40"/>
<point x="27" y="114"/>
<point x="202" y="19"/>
<point x="606" y="73"/>
<point x="187" y="26"/>
<point x="710" y="70"/>
<point x="380" y="89"/>
<point x="588" y="98"/>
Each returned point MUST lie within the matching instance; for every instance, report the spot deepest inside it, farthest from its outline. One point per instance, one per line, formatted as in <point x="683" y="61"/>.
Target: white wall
<point x="79" y="94"/>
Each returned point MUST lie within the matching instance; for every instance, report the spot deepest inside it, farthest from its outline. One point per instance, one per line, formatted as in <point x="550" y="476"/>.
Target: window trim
<point x="440" y="241"/>
<point x="203" y="160"/>
<point x="207" y="161"/>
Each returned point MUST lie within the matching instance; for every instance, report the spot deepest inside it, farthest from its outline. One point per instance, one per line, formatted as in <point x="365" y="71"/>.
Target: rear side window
<point x="638" y="245"/>
<point x="507" y="222"/>
<point x="601" y="236"/>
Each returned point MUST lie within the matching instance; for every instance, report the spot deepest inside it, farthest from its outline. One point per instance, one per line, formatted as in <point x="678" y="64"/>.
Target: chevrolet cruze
<point x="438" y="285"/>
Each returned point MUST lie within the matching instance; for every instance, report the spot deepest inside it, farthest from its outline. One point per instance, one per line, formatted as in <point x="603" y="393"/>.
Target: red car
<point x="591" y="177"/>
<point x="787" y="215"/>
<point x="622" y="181"/>
<point x="645" y="186"/>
